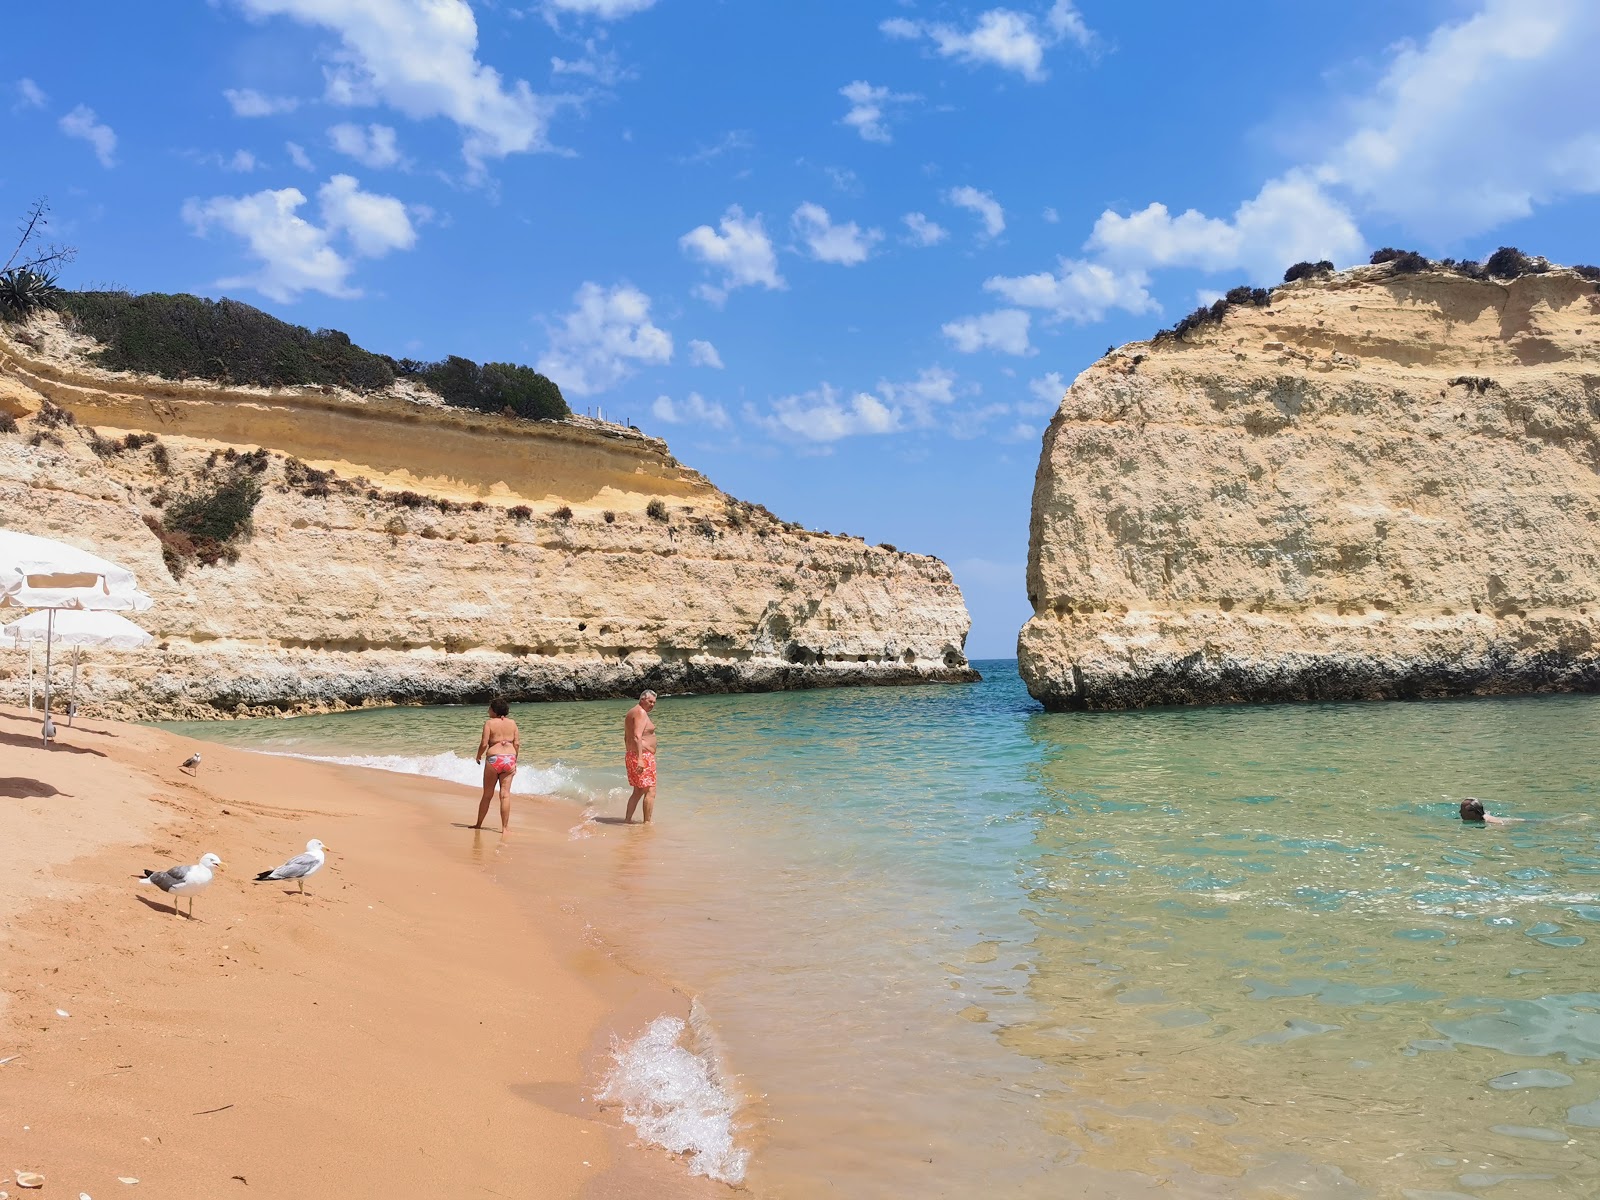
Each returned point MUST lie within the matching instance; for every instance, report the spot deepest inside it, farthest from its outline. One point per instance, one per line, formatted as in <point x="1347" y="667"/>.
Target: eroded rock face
<point x="453" y="557"/>
<point x="1378" y="487"/>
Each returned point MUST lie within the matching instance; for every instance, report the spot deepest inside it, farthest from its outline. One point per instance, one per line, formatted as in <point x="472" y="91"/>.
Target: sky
<point x="844" y="255"/>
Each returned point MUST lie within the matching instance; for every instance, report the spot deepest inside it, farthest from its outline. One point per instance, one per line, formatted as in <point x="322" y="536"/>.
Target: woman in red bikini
<point x="501" y="742"/>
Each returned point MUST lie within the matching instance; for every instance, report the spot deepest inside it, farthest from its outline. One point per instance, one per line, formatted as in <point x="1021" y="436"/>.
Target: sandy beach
<point x="406" y="1028"/>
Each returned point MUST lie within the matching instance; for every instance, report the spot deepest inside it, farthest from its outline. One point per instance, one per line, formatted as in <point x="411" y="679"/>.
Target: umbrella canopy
<point x="102" y="630"/>
<point x="38" y="572"/>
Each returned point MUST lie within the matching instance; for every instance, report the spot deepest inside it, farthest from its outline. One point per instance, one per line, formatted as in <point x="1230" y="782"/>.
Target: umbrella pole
<point x="30" y="676"/>
<point x="72" y="705"/>
<point x="49" y="634"/>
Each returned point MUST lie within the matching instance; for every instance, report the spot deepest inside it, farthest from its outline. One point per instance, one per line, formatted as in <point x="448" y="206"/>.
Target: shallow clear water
<point x="951" y="945"/>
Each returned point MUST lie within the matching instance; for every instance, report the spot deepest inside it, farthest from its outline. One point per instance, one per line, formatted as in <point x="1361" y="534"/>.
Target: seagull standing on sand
<point x="184" y="881"/>
<point x="299" y="867"/>
<point x="191" y="764"/>
<point x="47" y="730"/>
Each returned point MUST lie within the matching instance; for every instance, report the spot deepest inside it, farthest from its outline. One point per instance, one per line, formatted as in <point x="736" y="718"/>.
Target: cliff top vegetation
<point x="1504" y="264"/>
<point x="228" y="342"/>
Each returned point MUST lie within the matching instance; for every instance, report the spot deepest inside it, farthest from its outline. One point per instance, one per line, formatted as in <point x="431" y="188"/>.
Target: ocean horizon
<point x="941" y="942"/>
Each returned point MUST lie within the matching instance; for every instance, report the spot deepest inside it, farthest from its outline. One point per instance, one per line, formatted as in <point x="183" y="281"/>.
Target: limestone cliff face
<point x="1379" y="486"/>
<point x="449" y="556"/>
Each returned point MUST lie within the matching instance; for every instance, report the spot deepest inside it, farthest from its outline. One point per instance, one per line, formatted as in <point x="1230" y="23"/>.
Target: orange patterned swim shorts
<point x="642" y="769"/>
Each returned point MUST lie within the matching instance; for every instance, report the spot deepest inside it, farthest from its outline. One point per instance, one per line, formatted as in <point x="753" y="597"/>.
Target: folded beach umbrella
<point x="37" y="572"/>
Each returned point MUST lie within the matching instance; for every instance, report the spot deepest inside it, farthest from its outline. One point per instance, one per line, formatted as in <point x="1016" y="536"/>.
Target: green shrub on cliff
<point x="1308" y="270"/>
<point x="188" y="337"/>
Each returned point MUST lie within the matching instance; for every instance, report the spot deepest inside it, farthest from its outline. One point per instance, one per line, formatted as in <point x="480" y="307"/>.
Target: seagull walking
<point x="191" y="764"/>
<point x="47" y="731"/>
<point x="184" y="881"/>
<point x="300" y="867"/>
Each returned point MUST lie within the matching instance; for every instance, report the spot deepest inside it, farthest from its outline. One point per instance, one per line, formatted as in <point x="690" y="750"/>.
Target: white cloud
<point x="1463" y="132"/>
<point x="29" y="95"/>
<point x="82" y="123"/>
<point x="982" y="203"/>
<point x="247" y="102"/>
<point x="374" y="224"/>
<point x="241" y="161"/>
<point x="1047" y="392"/>
<point x="603" y="339"/>
<point x="869" y="107"/>
<point x="296" y="255"/>
<point x="704" y="354"/>
<point x="824" y="415"/>
<point x="1051" y="216"/>
<point x="923" y="231"/>
<point x="376" y="146"/>
<point x="847" y="245"/>
<point x="1079" y="291"/>
<point x="1004" y="330"/>
<point x="299" y="157"/>
<point x="742" y="252"/>
<point x="696" y="410"/>
<point x="604" y="10"/>
<point x="420" y="57"/>
<point x="1290" y="219"/>
<point x="1002" y="37"/>
<point x="598" y="63"/>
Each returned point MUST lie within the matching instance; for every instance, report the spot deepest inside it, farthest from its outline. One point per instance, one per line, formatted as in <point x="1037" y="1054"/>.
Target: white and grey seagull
<point x="184" y="881"/>
<point x="300" y="867"/>
<point x="191" y="764"/>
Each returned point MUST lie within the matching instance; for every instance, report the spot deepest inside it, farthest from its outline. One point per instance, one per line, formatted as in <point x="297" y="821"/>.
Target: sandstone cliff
<point x="406" y="552"/>
<point x="1380" y="486"/>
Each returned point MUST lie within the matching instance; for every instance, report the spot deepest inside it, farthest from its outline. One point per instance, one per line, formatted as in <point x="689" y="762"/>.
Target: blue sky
<point x="844" y="255"/>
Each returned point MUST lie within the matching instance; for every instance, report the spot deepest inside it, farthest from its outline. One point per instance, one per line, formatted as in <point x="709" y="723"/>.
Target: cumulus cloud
<point x="376" y="146"/>
<point x="1002" y="37"/>
<point x="1461" y="133"/>
<point x="704" y="354"/>
<point x="1046" y="393"/>
<point x="247" y="102"/>
<point x="82" y="123"/>
<point x="29" y="95"/>
<point x="847" y="245"/>
<point x="1077" y="291"/>
<point x="825" y="415"/>
<point x="421" y="58"/>
<point x="1004" y="330"/>
<point x="695" y="410"/>
<point x="374" y="224"/>
<point x="603" y="10"/>
<point x="983" y="204"/>
<point x="299" y="157"/>
<point x="923" y="232"/>
<point x="869" y="109"/>
<point x="241" y="161"/>
<point x="738" y="249"/>
<point x="297" y="255"/>
<point x="1291" y="218"/>
<point x="604" y="339"/>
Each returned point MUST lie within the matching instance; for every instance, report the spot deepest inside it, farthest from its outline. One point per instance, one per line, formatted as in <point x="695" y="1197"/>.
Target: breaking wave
<point x="671" y="1092"/>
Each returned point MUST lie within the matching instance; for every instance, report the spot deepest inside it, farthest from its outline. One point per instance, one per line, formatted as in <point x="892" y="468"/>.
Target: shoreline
<point x="403" y="1027"/>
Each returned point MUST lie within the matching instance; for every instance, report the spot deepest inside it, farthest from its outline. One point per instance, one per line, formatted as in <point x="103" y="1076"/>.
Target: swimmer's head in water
<point x="1471" y="810"/>
<point x="499" y="707"/>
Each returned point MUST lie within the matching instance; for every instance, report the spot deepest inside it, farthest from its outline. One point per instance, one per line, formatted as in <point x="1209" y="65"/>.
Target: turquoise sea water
<point x="947" y="944"/>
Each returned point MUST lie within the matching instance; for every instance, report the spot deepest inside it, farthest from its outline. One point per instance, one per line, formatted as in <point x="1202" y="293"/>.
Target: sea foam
<point x="556" y="780"/>
<point x="670" y="1091"/>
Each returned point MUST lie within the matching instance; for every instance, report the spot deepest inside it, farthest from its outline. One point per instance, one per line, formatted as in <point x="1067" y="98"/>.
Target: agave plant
<point x="24" y="292"/>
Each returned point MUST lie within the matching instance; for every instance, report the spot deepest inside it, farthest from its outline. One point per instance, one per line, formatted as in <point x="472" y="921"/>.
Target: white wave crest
<point x="673" y="1097"/>
<point x="530" y="780"/>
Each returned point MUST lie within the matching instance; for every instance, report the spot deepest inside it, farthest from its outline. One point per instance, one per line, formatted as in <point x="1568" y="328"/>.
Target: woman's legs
<point x="505" y="801"/>
<point x="489" y="779"/>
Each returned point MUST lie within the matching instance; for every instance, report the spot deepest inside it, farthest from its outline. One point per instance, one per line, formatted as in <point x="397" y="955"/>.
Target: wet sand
<point x="407" y="1028"/>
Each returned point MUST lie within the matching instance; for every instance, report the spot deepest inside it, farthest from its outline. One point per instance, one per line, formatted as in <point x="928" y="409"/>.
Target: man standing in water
<point x="639" y="755"/>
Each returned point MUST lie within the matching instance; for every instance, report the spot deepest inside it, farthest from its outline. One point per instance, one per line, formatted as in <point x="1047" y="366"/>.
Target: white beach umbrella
<point x="37" y="572"/>
<point x="77" y="628"/>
